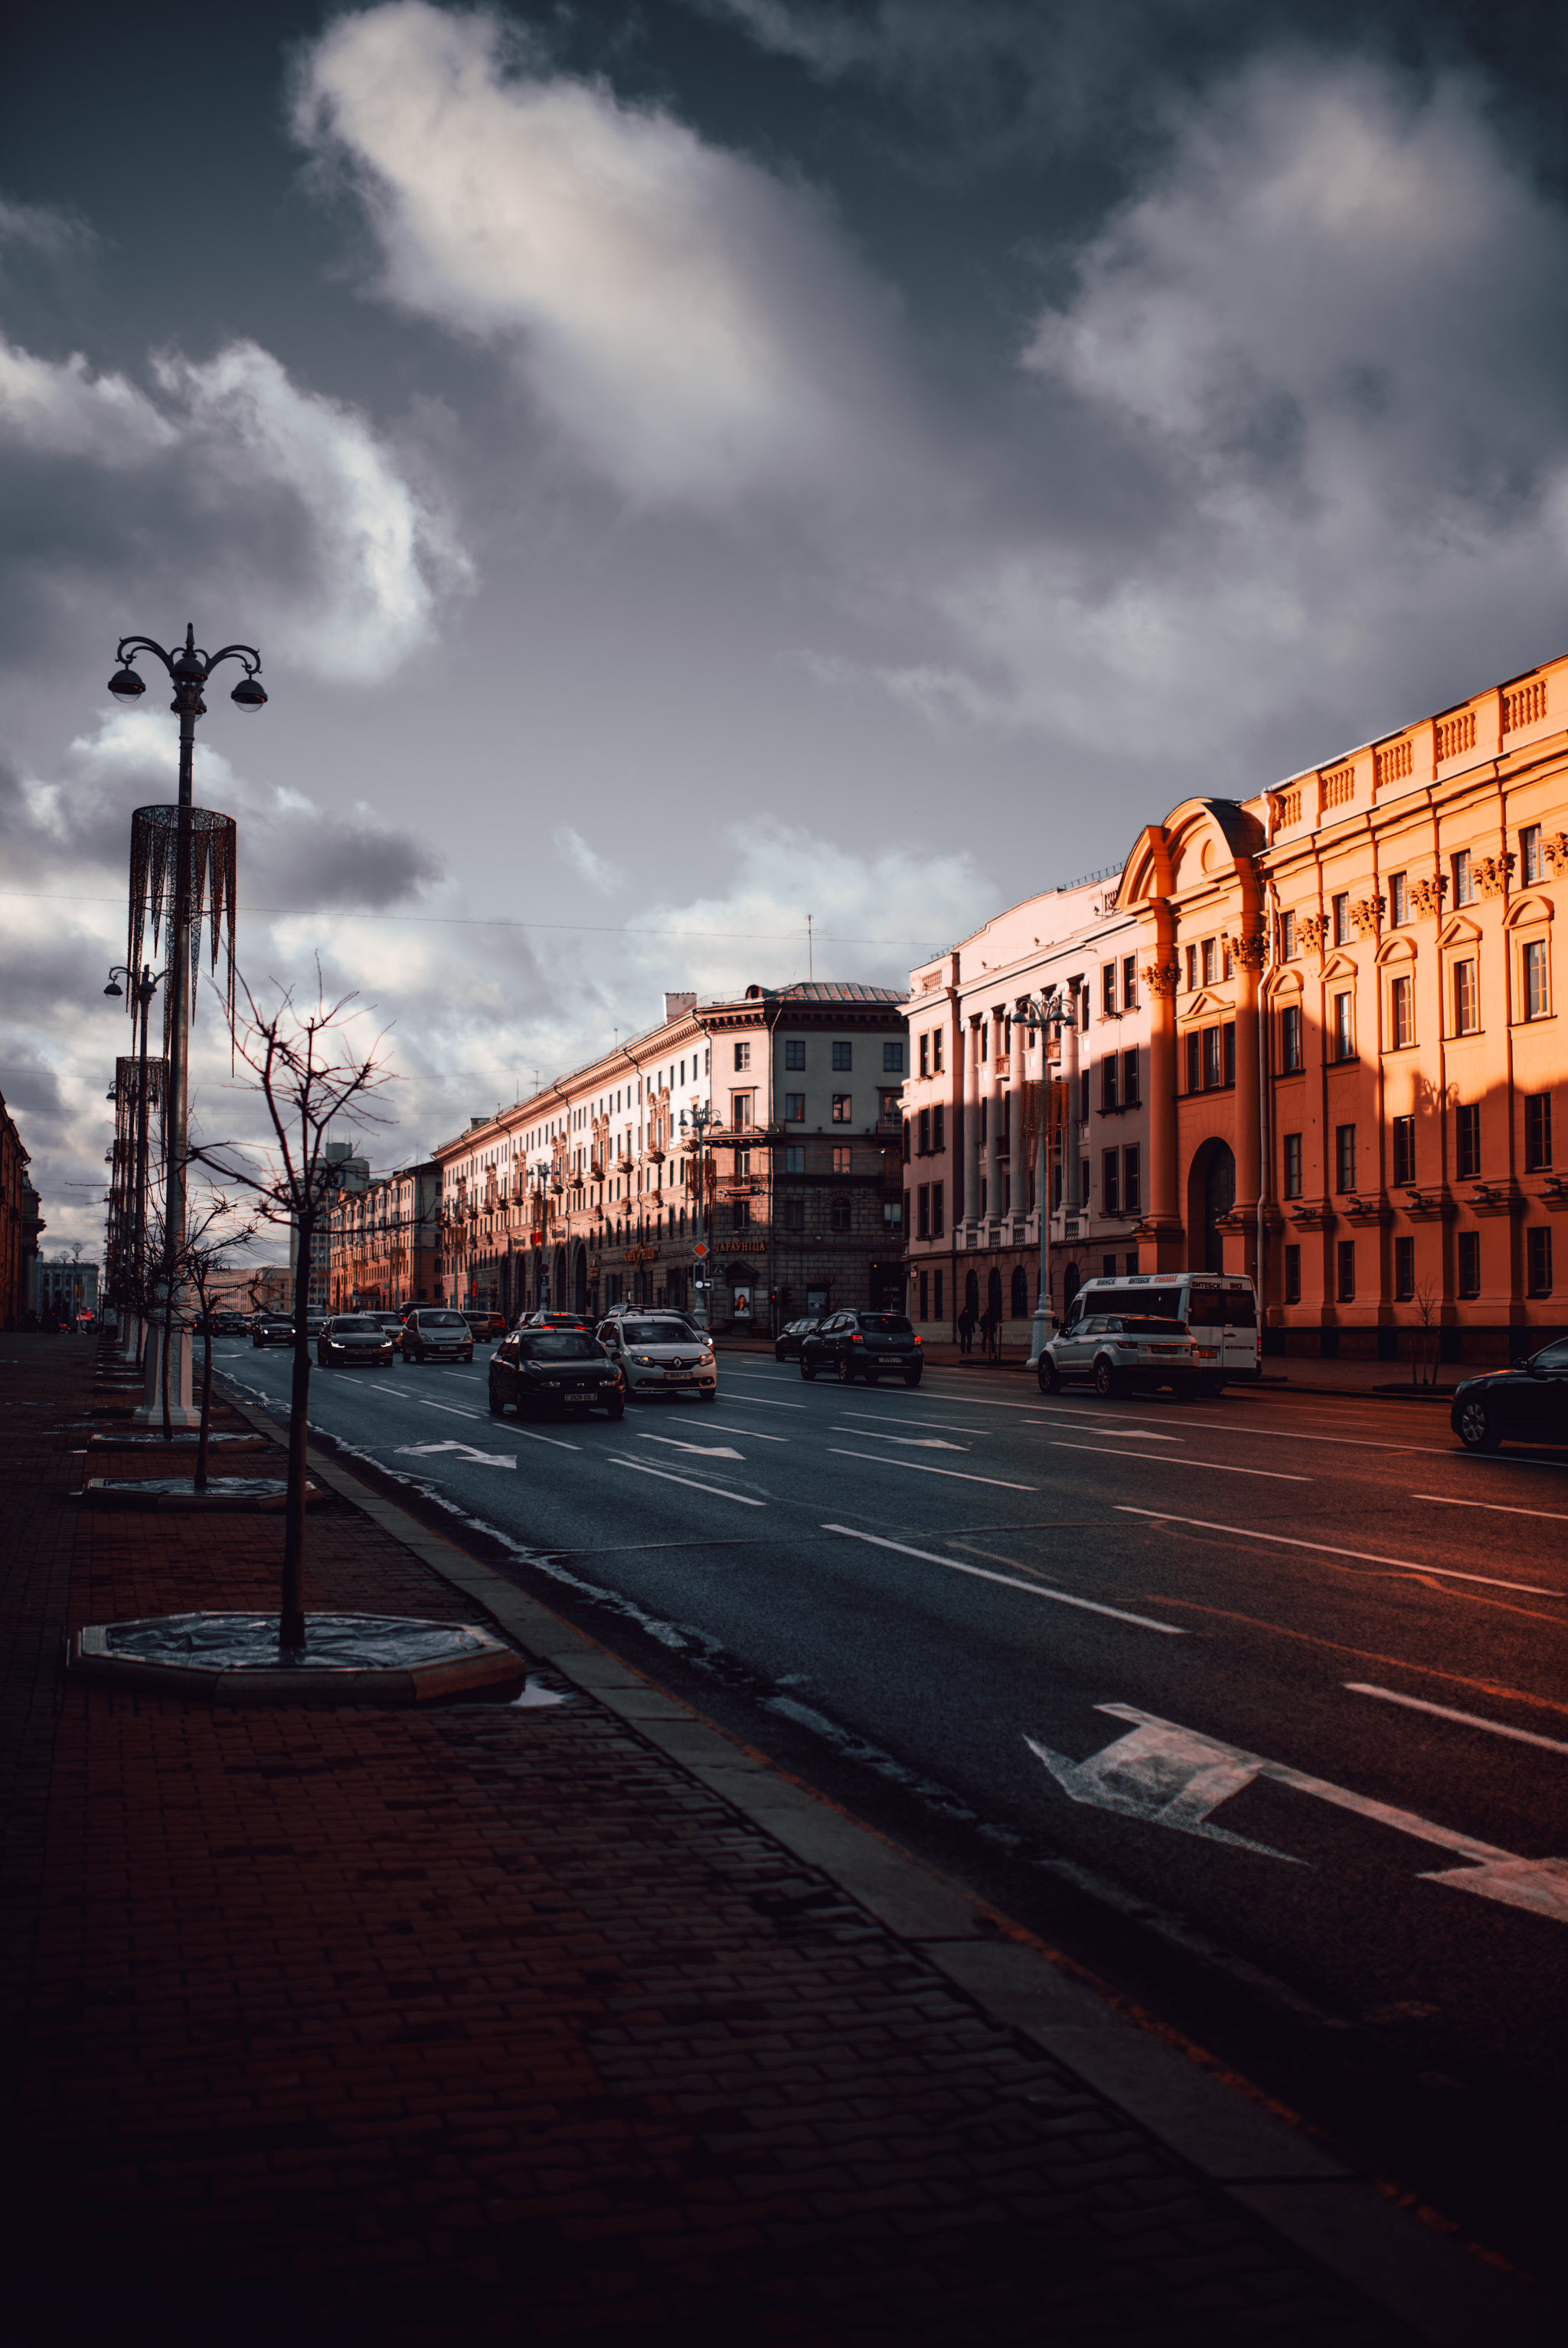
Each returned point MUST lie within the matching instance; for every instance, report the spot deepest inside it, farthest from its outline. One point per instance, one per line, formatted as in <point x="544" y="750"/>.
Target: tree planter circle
<point x="347" y="1659"/>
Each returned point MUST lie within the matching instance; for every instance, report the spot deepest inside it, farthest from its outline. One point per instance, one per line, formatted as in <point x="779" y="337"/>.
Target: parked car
<point x="787" y="1344"/>
<point x="869" y="1346"/>
<point x="273" y="1329"/>
<point x="554" y="1369"/>
<point x="434" y="1332"/>
<point x="658" y="1352"/>
<point x="1528" y="1403"/>
<point x="353" y="1339"/>
<point x="486" y="1325"/>
<point x="1118" y="1351"/>
<point x="393" y="1324"/>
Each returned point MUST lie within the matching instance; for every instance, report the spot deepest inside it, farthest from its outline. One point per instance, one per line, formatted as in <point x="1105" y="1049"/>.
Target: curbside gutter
<point x="1401" y="2262"/>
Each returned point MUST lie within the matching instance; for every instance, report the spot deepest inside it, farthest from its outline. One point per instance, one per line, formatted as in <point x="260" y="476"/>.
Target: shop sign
<point x="641" y="1255"/>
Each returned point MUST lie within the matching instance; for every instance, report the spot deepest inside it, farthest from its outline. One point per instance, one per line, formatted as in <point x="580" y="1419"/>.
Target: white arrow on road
<point x="1169" y="1775"/>
<point x="910" y="1442"/>
<point x="703" y="1450"/>
<point x="485" y="1458"/>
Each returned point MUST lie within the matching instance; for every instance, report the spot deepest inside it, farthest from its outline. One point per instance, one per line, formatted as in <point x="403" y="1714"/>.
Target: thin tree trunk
<point x="206" y="1399"/>
<point x="167" y="1344"/>
<point x="291" y="1624"/>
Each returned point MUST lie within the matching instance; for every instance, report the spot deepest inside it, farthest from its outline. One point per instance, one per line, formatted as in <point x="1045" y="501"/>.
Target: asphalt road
<point x="1257" y="1706"/>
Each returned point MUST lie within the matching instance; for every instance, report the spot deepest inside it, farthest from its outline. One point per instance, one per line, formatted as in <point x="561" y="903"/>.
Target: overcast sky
<point x="692" y="464"/>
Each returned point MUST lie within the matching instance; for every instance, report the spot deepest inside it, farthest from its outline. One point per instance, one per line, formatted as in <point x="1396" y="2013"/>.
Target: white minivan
<point x="1219" y="1310"/>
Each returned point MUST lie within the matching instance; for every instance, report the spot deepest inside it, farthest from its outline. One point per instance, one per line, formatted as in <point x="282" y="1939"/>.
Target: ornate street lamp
<point x="1052" y="1011"/>
<point x="699" y="1120"/>
<point x="142" y="989"/>
<point x="203" y="844"/>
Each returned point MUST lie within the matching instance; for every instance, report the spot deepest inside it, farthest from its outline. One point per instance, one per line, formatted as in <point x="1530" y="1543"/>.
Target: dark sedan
<point x="353" y="1341"/>
<point x="554" y="1369"/>
<point x="869" y="1346"/>
<point x="434" y="1334"/>
<point x="787" y="1344"/>
<point x="1528" y="1403"/>
<point x="273" y="1329"/>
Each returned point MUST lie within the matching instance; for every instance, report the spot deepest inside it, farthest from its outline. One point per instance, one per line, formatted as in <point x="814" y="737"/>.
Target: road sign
<point x="699" y="1250"/>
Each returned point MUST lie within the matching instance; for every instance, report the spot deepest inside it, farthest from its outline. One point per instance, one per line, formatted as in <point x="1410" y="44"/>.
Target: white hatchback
<point x="658" y="1353"/>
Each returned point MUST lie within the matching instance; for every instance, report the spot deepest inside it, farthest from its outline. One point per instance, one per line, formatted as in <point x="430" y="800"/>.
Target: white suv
<point x="658" y="1353"/>
<point x="1116" y="1351"/>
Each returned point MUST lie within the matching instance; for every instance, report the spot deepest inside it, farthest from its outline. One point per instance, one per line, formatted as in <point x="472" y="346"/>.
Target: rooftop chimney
<point x="677" y="1005"/>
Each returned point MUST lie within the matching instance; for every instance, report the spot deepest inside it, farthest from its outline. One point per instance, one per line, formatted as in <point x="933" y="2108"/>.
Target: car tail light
<point x="917" y="1341"/>
<point x="856" y="1340"/>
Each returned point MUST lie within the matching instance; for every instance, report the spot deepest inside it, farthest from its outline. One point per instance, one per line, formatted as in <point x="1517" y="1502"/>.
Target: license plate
<point x="681" y="1377"/>
<point x="890" y="1360"/>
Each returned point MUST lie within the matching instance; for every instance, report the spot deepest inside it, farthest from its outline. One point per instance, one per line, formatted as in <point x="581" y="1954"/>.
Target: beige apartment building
<point x="741" y="1159"/>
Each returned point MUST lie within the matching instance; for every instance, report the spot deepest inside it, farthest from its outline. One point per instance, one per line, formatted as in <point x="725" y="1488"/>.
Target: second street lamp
<point x="189" y="668"/>
<point x="143" y="989"/>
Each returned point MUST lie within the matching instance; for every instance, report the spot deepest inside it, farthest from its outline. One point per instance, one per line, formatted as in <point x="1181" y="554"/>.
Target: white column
<point x="994" y="1126"/>
<point x="971" y="1035"/>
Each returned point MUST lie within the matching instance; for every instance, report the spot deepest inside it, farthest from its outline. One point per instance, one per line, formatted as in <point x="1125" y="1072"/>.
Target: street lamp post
<point x="1052" y="1011"/>
<point x="144" y="989"/>
<point x="189" y="669"/>
<point x="700" y="1119"/>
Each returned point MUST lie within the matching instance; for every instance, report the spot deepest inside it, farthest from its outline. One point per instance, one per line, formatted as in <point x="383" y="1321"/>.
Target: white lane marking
<point x="1466" y="1719"/>
<point x="1131" y="1434"/>
<point x="1171" y="1775"/>
<point x="556" y="1442"/>
<point x="1327" y="1548"/>
<point x="715" y="1491"/>
<point x="1010" y="1582"/>
<point x="1267" y="1433"/>
<point x="1169" y="1459"/>
<point x="911" y="1442"/>
<point x="919" y="1467"/>
<point x="760" y="1402"/>
<point x="720" y="1428"/>
<point x="450" y="1409"/>
<point x="703" y="1450"/>
<point x="1496" y="1508"/>
<point x="485" y="1458"/>
<point x="897" y="1418"/>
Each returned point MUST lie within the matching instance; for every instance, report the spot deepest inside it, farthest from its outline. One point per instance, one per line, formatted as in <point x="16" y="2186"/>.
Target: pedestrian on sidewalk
<point x="966" y="1329"/>
<point x="987" y="1332"/>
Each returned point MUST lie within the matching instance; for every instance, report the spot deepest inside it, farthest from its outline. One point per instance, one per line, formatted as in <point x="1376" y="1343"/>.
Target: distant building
<point x="354" y="1174"/>
<point x="66" y="1288"/>
<point x="384" y="1241"/>
<point x="20" y="1223"/>
<point x="595" y="1193"/>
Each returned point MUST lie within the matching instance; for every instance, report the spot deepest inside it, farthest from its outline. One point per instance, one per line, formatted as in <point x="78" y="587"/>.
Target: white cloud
<point x="58" y="408"/>
<point x="600" y="876"/>
<point x="691" y="326"/>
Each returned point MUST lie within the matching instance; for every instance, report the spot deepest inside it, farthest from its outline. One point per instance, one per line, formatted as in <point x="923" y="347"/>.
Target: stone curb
<point x="1443" y="2293"/>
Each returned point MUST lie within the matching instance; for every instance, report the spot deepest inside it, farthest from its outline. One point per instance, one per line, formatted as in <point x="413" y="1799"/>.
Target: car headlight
<point x="645" y="1361"/>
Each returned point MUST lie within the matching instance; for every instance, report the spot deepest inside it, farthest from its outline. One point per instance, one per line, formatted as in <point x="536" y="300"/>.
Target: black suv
<point x="868" y="1345"/>
<point x="554" y="1369"/>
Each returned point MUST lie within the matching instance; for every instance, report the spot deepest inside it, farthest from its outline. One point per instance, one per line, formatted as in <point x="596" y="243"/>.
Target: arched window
<point x="1020" y="1305"/>
<point x="839" y="1215"/>
<point x="906" y="1141"/>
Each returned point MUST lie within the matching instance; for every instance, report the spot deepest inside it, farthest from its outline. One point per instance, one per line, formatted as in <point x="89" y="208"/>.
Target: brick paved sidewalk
<point x="499" y="2024"/>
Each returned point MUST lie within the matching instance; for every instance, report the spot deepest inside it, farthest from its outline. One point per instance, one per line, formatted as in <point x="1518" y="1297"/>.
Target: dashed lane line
<point x="1494" y="1508"/>
<point x="1327" y="1548"/>
<point x="1169" y="1459"/>
<point x="1466" y="1719"/>
<point x="1010" y="1582"/>
<point x="918" y="1467"/>
<point x="715" y="1491"/>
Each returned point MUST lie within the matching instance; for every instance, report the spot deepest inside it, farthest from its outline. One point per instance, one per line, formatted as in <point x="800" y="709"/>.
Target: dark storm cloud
<point x="301" y="863"/>
<point x="29" y="1088"/>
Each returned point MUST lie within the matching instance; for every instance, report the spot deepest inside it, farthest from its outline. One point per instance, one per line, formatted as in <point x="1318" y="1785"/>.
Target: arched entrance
<point x="1069" y="1287"/>
<point x="994" y="1294"/>
<point x="972" y="1293"/>
<point x="580" y="1280"/>
<point x="1211" y="1194"/>
<point x="1019" y="1310"/>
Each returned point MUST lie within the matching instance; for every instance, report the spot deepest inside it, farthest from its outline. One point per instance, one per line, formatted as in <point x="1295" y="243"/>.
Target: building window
<point x="1340" y="908"/>
<point x="1404" y="1149"/>
<point x="1404" y="1271"/>
<point x="936" y="1296"/>
<point x="794" y="1161"/>
<point x="924" y="1296"/>
<point x="1530" y="871"/>
<point x="794" y="1052"/>
<point x="1191" y="968"/>
<point x="1130" y="1080"/>
<point x="1288" y="949"/>
<point x="1129" y="982"/>
<point x="892" y="1059"/>
<point x="1464" y="880"/>
<point x="1345" y="1157"/>
<point x="1194" y="1062"/>
<point x="843" y="1108"/>
<point x="1229" y="1032"/>
<point x="1470" y="1264"/>
<point x="1344" y="1271"/>
<point x="1110" y="1183"/>
<point x="740" y="1214"/>
<point x="923" y="1134"/>
<point x="939" y="1129"/>
<point x="1465" y="1018"/>
<point x="938" y="1224"/>
<point x="1210" y="1058"/>
<point x="887" y="1114"/>
<point x="1209" y="962"/>
<point x="892" y="1214"/>
<point x="1537" y="1258"/>
<point x="1293" y="1165"/>
<point x="1107" y="1075"/>
<point x="1290" y="1038"/>
<point x="1398" y="900"/>
<point x="1537" y="1132"/>
<point x="743" y="1055"/>
<point x="794" y="1214"/>
<point x="794" y="1108"/>
<point x="841" y="1161"/>
<point x="936" y="1071"/>
<point x="740" y="1109"/>
<point x="1293" y="1275"/>
<point x="1402" y="1015"/>
<point x="922" y="1211"/>
<point x="1132" y="1169"/>
<point x="1535" y="1003"/>
<point x="1467" y="1142"/>
<point x="1108" y="988"/>
<point x="924" y="1067"/>
<point x="839" y="1215"/>
<point x="1343" y="1026"/>
<point x="844" y="1055"/>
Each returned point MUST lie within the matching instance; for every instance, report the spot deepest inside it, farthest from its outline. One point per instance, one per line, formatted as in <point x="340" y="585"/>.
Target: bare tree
<point x="202" y="1258"/>
<point x="1425" y="1336"/>
<point x="310" y="1080"/>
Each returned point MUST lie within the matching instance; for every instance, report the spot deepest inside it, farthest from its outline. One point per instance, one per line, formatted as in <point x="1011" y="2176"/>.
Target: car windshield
<point x="885" y="1324"/>
<point x="657" y="1332"/>
<point x="387" y="1320"/>
<point x="560" y="1345"/>
<point x="442" y="1320"/>
<point x="359" y="1326"/>
<point x="1552" y="1357"/>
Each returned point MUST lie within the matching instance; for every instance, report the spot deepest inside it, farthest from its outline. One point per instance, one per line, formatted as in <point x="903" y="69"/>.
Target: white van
<point x="1219" y="1309"/>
